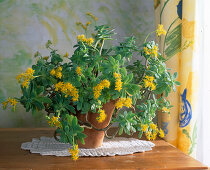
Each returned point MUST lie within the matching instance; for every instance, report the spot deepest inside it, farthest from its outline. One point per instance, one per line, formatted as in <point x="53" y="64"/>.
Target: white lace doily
<point x="110" y="147"/>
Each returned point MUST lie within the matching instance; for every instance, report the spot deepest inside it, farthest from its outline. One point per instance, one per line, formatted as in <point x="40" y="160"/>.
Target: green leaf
<point x="71" y="108"/>
<point x="123" y="72"/>
<point x="140" y="134"/>
<point x="74" y="121"/>
<point x="177" y="83"/>
<point x="44" y="99"/>
<point x="175" y="75"/>
<point x="132" y="88"/>
<point x="120" y="131"/>
<point x="66" y="128"/>
<point x="79" y="106"/>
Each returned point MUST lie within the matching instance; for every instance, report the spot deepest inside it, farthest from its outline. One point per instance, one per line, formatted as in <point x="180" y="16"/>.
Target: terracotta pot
<point x="94" y="137"/>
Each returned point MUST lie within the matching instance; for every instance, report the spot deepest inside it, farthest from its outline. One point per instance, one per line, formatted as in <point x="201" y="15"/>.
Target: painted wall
<point x="26" y="25"/>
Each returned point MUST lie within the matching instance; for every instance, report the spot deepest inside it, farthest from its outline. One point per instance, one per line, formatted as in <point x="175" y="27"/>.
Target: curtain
<point x="179" y="47"/>
<point x="203" y="27"/>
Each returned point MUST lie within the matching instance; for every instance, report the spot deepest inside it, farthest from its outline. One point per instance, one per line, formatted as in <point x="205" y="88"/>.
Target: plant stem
<point x="148" y="36"/>
<point x="101" y="46"/>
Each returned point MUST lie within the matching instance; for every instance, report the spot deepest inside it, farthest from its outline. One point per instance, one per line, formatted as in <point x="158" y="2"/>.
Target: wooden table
<point x="163" y="155"/>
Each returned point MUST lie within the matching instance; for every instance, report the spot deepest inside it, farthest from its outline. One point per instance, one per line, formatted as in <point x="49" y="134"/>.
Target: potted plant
<point x="84" y="96"/>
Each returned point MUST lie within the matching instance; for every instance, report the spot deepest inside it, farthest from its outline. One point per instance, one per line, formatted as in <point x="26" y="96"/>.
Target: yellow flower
<point x="117" y="75"/>
<point x="57" y="72"/>
<point x="5" y="103"/>
<point x="148" y="82"/>
<point x="9" y="100"/>
<point x="148" y="135"/>
<point x="97" y="89"/>
<point x="74" y="94"/>
<point x="150" y="78"/>
<point x="92" y="16"/>
<point x="153" y="86"/>
<point x="13" y="102"/>
<point x="90" y="41"/>
<point x="128" y="102"/>
<point x="66" y="55"/>
<point x="118" y="82"/>
<point x="153" y="136"/>
<point x="81" y="37"/>
<point x="52" y="72"/>
<point x="58" y="75"/>
<point x="105" y="83"/>
<point x="68" y="89"/>
<point x="82" y="25"/>
<point x="18" y="77"/>
<point x="88" y="23"/>
<point x="120" y="103"/>
<point x="160" y="30"/>
<point x="165" y="109"/>
<point x="161" y="133"/>
<point x="54" y="121"/>
<point x="118" y="85"/>
<point x="147" y="51"/>
<point x="74" y="152"/>
<point x="101" y="117"/>
<point x="58" y="86"/>
<point x="153" y="126"/>
<point x="25" y="84"/>
<point x="30" y="71"/>
<point x="59" y="69"/>
<point x="153" y="51"/>
<point x="26" y="77"/>
<point x="79" y="71"/>
<point x="144" y="127"/>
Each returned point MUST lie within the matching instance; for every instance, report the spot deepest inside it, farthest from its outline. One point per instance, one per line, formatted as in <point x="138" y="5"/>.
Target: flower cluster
<point x="54" y="121"/>
<point x="82" y="38"/>
<point x="149" y="82"/>
<point x="68" y="89"/>
<point x="74" y="152"/>
<point x="151" y="131"/>
<point x="84" y="26"/>
<point x="57" y="72"/>
<point x="165" y="109"/>
<point x="92" y="16"/>
<point x="118" y="82"/>
<point x="79" y="71"/>
<point x="151" y="51"/>
<point x="97" y="89"/>
<point x="160" y="30"/>
<point x="25" y="77"/>
<point x="12" y="102"/>
<point x="101" y="117"/>
<point x="127" y="102"/>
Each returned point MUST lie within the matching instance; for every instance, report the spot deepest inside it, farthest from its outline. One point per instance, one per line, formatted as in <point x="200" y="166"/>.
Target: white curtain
<point x="203" y="30"/>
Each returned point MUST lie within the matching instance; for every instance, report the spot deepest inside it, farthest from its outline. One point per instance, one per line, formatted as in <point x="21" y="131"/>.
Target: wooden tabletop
<point x="163" y="155"/>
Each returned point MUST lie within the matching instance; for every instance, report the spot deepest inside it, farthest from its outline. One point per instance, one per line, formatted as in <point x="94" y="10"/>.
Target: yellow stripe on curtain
<point x="178" y="18"/>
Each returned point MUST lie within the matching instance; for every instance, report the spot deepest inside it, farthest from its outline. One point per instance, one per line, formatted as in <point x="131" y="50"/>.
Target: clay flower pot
<point x="94" y="137"/>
